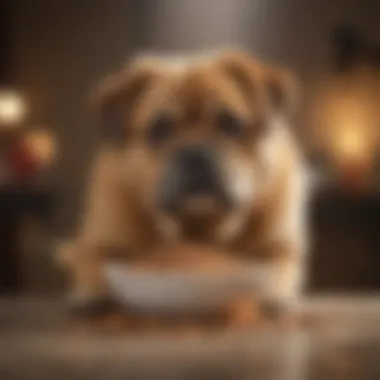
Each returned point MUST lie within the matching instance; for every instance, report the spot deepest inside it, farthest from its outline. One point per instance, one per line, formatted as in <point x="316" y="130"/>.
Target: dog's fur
<point x="264" y="169"/>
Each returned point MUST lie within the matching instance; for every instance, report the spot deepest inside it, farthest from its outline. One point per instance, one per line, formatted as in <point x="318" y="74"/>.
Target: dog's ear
<point x="260" y="82"/>
<point x="283" y="89"/>
<point x="244" y="71"/>
<point x="115" y="98"/>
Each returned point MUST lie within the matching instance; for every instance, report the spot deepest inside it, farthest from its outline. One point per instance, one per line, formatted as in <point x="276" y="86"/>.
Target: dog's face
<point x="193" y="136"/>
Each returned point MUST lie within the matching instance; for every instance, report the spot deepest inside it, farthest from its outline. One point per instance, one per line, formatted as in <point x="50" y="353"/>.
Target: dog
<point x="202" y="149"/>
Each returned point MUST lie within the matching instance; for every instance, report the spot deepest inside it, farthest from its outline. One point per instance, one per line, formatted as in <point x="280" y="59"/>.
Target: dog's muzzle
<point x="192" y="183"/>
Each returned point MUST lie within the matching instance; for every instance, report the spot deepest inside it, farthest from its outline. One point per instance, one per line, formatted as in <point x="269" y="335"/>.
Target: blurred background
<point x="53" y="53"/>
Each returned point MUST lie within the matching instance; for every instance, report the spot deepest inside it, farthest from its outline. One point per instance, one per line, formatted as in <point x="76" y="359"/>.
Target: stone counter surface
<point x="39" y="341"/>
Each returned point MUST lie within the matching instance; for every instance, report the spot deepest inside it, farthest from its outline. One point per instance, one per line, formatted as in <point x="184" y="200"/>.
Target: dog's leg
<point x="88" y="291"/>
<point x="285" y="243"/>
<point x="105" y="222"/>
<point x="283" y="273"/>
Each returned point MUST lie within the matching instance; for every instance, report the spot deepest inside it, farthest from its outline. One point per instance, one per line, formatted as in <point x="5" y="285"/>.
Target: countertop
<point x="38" y="340"/>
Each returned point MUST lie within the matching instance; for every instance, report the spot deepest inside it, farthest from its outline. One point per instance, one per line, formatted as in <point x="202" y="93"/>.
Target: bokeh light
<point x="12" y="108"/>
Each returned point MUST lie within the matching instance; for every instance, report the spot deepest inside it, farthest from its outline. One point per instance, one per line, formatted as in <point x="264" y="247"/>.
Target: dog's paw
<point x="278" y="309"/>
<point x="242" y="312"/>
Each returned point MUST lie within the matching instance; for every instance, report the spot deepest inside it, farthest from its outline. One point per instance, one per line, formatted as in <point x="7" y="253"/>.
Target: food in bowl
<point x="188" y="258"/>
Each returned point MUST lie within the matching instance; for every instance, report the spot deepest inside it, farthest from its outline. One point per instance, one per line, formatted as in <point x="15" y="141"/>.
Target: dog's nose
<point x="198" y="171"/>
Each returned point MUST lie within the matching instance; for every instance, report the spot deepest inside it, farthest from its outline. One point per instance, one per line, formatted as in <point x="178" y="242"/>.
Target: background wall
<point x="61" y="49"/>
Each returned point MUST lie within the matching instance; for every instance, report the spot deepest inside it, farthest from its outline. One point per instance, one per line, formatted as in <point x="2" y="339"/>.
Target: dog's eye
<point x="160" y="130"/>
<point x="229" y="124"/>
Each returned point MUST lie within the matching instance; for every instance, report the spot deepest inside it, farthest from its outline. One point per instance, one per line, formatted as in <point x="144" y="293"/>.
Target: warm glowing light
<point x="351" y="143"/>
<point x="12" y="109"/>
<point x="346" y="118"/>
<point x="350" y="131"/>
<point x="43" y="145"/>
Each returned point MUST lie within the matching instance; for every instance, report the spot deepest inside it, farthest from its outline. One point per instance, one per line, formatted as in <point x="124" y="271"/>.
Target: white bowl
<point x="176" y="291"/>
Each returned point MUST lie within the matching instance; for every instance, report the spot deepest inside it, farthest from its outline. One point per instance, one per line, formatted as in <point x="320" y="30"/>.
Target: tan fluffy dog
<point x="205" y="154"/>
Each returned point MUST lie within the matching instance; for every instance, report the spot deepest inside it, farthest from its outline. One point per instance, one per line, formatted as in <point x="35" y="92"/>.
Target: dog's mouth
<point x="201" y="205"/>
<point x="197" y="204"/>
<point x="196" y="215"/>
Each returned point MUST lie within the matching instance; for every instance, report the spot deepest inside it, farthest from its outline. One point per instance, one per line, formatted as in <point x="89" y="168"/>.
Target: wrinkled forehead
<point x="190" y="88"/>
